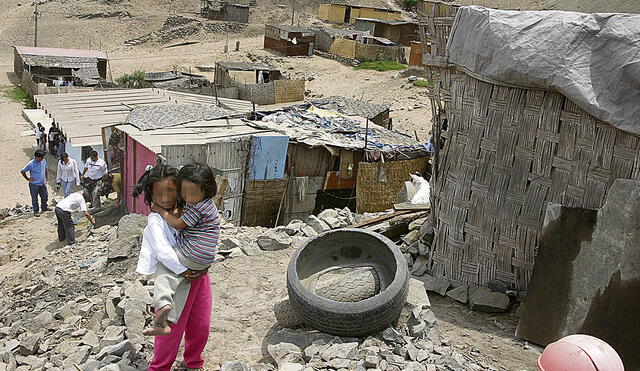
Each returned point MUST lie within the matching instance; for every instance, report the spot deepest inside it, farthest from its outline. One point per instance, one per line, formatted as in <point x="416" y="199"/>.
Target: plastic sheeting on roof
<point x="592" y="59"/>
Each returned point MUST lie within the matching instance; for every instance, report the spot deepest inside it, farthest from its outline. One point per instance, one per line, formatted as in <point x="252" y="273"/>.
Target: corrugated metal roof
<point x="201" y="132"/>
<point x="59" y="52"/>
<point x="389" y="22"/>
<point x="59" y="62"/>
<point x="245" y="66"/>
<point x="82" y="115"/>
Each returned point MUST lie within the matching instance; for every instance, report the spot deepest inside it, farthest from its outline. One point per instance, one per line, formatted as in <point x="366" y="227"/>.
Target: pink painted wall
<point x="137" y="159"/>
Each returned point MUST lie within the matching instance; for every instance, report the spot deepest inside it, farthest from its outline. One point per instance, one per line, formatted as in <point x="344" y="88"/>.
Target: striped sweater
<point x="199" y="240"/>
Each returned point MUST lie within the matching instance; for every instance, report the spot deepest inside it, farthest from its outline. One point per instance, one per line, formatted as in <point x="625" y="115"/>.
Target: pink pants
<point x="194" y="324"/>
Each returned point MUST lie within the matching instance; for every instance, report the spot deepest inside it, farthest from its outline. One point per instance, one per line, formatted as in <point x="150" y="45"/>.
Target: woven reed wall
<point x="375" y="195"/>
<point x="507" y="153"/>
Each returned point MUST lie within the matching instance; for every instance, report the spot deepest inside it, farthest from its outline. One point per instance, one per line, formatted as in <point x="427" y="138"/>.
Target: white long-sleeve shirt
<point x="158" y="240"/>
<point x="68" y="172"/>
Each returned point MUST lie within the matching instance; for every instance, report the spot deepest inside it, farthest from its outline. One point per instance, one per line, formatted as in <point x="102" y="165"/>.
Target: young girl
<point x="197" y="241"/>
<point x="159" y="186"/>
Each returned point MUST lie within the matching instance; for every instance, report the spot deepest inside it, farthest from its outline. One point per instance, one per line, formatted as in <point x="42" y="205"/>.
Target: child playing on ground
<point x="197" y="239"/>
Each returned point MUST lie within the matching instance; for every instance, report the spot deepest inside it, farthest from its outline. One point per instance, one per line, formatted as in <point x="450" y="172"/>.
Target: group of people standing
<point x="55" y="139"/>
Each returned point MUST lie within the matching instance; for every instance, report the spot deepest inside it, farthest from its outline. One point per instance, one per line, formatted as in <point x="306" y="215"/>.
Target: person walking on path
<point x="41" y="137"/>
<point x="36" y="131"/>
<point x="95" y="168"/>
<point x="159" y="187"/>
<point x="68" y="174"/>
<point x="53" y="139"/>
<point x="38" y="179"/>
<point x="64" y="209"/>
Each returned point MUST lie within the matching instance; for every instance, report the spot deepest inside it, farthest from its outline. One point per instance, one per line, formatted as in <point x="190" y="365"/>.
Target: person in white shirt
<point x="64" y="209"/>
<point x="68" y="174"/>
<point x="95" y="168"/>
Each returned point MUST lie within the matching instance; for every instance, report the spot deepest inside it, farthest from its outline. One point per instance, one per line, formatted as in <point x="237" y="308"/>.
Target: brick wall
<point x="288" y="90"/>
<point x="344" y="48"/>
<point x="367" y="53"/>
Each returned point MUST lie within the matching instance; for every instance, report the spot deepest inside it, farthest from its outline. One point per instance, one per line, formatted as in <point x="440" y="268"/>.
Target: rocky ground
<point x="83" y="307"/>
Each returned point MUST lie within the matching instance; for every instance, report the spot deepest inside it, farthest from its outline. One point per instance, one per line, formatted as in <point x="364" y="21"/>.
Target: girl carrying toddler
<point x="160" y="188"/>
<point x="198" y="232"/>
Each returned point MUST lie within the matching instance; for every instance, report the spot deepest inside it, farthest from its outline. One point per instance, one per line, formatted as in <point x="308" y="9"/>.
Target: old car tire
<point x="348" y="247"/>
<point x="286" y="316"/>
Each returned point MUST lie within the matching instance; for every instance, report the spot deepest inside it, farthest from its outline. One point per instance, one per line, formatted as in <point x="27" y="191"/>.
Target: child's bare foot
<point x="160" y="326"/>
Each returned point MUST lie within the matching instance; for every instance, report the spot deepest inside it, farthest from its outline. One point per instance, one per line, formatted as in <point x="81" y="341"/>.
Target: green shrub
<point x="134" y="80"/>
<point x="409" y="4"/>
<point x="17" y="94"/>
<point x="381" y="66"/>
<point x="422" y="83"/>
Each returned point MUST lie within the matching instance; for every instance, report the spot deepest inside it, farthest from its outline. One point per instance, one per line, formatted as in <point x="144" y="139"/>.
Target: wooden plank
<point x="407" y="206"/>
<point x="379" y="219"/>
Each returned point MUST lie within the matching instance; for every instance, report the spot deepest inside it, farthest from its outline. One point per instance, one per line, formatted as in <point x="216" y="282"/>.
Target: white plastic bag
<point x="423" y="190"/>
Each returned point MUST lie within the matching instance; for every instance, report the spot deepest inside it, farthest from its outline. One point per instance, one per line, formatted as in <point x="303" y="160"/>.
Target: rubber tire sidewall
<point x="350" y="319"/>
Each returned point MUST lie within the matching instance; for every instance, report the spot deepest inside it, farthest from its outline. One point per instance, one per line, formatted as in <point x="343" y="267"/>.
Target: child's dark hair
<point x="202" y="175"/>
<point x="155" y="174"/>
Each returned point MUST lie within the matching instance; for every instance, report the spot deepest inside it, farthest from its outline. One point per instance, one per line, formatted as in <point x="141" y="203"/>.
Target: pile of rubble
<point x="297" y="231"/>
<point x="16" y="211"/>
<point x="413" y="343"/>
<point x="176" y="27"/>
<point x="416" y="247"/>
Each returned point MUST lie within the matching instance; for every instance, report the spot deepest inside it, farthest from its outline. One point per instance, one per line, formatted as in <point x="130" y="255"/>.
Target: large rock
<point x="460" y="294"/>
<point x="586" y="277"/>
<point x="289" y="366"/>
<point x="274" y="239"/>
<point x="344" y="351"/>
<point x="334" y="223"/>
<point x="234" y="366"/>
<point x="427" y="232"/>
<point x="411" y="237"/>
<point x="78" y="357"/>
<point x="137" y="291"/>
<point x="91" y="339"/>
<point x="420" y="266"/>
<point x="116" y="350"/>
<point x="29" y="344"/>
<point x="309" y="231"/>
<point x="294" y="227"/>
<point x="122" y="248"/>
<point x="285" y="352"/>
<point x="328" y="213"/>
<point x="319" y="225"/>
<point x="484" y="300"/>
<point x="435" y="284"/>
<point x="301" y="338"/>
<point x="134" y="320"/>
<point x="131" y="225"/>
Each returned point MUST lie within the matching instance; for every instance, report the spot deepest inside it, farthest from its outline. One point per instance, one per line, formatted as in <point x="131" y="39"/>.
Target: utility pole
<point x="36" y="14"/>
<point x="293" y="12"/>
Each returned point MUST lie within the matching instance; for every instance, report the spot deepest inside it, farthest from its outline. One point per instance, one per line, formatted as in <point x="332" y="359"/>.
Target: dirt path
<point x="15" y="151"/>
<point x="245" y="289"/>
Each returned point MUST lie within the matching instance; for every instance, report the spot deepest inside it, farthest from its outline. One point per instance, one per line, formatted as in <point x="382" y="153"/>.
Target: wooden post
<point x="36" y="14"/>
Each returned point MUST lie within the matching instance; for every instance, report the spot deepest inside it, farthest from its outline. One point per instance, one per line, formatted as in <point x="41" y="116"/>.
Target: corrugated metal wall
<point x="231" y="157"/>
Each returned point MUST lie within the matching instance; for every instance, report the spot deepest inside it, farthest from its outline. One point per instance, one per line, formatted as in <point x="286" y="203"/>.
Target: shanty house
<point x="39" y="68"/>
<point x="342" y="13"/>
<point x="337" y="161"/>
<point x="225" y="11"/>
<point x="376" y="113"/>
<point x="325" y="37"/>
<point x="258" y="83"/>
<point x="289" y="40"/>
<point x="83" y="117"/>
<point x="509" y="141"/>
<point x="398" y="31"/>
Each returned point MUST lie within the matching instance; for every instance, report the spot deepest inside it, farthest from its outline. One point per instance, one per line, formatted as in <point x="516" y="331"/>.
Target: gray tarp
<point x="592" y="59"/>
